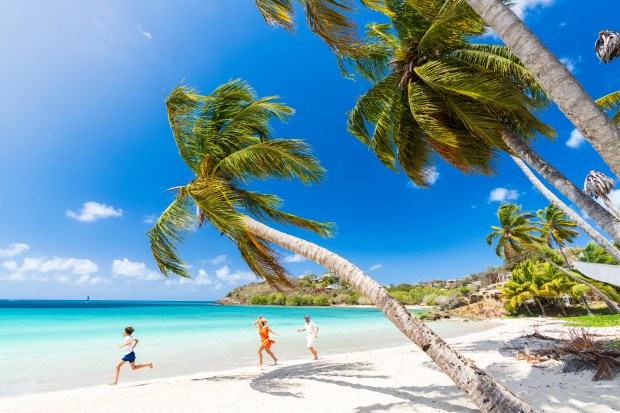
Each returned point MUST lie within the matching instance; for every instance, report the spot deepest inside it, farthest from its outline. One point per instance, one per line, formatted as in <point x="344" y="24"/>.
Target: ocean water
<point x="55" y="345"/>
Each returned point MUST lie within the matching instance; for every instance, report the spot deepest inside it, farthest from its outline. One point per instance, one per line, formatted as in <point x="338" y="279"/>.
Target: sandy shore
<point x="395" y="379"/>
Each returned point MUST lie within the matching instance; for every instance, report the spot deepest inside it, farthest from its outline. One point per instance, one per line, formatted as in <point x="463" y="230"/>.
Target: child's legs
<point x="260" y="354"/>
<point x="118" y="370"/>
<point x="140" y="366"/>
<point x="271" y="354"/>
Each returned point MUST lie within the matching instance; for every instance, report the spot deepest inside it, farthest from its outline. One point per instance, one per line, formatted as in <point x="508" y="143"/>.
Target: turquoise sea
<point x="55" y="345"/>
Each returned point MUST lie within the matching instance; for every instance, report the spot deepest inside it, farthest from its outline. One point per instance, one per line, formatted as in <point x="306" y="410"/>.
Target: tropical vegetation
<point x="537" y="276"/>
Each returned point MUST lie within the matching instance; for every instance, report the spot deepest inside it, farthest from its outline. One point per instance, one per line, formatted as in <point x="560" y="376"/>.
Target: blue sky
<point x="86" y="152"/>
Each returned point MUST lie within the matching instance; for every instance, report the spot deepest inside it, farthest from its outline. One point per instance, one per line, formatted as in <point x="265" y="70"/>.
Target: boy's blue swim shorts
<point x="131" y="357"/>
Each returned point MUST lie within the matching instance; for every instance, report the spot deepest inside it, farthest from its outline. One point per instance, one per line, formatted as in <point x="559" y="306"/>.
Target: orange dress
<point x="263" y="332"/>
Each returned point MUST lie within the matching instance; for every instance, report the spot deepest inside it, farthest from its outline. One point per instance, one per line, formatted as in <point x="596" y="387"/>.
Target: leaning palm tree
<point x="556" y="228"/>
<point x="599" y="185"/>
<point x="516" y="232"/>
<point x="607" y="46"/>
<point x="531" y="281"/>
<point x="225" y="140"/>
<point x="555" y="79"/>
<point x="450" y="97"/>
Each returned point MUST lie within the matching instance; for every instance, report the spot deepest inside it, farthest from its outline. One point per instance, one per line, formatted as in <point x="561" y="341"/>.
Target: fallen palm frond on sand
<point x="579" y="350"/>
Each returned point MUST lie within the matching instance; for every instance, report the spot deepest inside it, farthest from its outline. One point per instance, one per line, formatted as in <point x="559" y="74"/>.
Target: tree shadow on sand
<point x="278" y="383"/>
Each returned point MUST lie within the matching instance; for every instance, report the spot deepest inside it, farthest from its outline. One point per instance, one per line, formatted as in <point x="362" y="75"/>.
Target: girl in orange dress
<point x="263" y="332"/>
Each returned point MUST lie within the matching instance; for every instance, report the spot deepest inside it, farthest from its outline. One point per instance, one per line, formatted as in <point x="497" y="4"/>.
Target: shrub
<point x="294" y="300"/>
<point x="277" y="299"/>
<point x="321" y="300"/>
<point x="352" y="299"/>
<point x="259" y="300"/>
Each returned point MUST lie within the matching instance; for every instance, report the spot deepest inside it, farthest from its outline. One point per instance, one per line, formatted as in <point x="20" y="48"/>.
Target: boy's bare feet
<point x="113" y="383"/>
<point x="151" y="365"/>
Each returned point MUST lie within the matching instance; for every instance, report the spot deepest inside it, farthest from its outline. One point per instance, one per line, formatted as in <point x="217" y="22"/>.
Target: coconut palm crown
<point x="607" y="46"/>
<point x="435" y="93"/>
<point x="555" y="227"/>
<point x="597" y="184"/>
<point x="226" y="141"/>
<point x="515" y="232"/>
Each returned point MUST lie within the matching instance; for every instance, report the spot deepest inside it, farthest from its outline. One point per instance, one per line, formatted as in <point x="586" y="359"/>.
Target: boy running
<point x="130" y="356"/>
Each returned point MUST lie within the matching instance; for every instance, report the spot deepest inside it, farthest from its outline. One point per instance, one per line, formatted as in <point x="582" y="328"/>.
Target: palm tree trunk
<point x="613" y="307"/>
<point x="528" y="309"/>
<point x="600" y="215"/>
<point x="572" y="215"/>
<point x="585" y="302"/>
<point x="555" y="79"/>
<point x="561" y="306"/>
<point x="484" y="391"/>
<point x="614" y="209"/>
<point x="561" y="250"/>
<point x="542" y="309"/>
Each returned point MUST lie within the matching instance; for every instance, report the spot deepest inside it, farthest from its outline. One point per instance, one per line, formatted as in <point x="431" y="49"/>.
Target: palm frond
<point x="265" y="206"/>
<point x="278" y="158"/>
<point x="611" y="102"/>
<point x="370" y="106"/>
<point x="184" y="106"/>
<point x="218" y="203"/>
<point x="329" y="20"/>
<point x="278" y="13"/>
<point x="450" y="26"/>
<point x="168" y="232"/>
<point x="262" y="259"/>
<point x="499" y="59"/>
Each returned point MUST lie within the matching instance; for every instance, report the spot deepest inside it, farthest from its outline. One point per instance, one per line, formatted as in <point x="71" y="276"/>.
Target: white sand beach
<point x="401" y="379"/>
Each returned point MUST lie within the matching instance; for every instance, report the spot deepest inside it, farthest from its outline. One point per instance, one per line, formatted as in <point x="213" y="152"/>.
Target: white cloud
<point x="150" y="219"/>
<point x="10" y="265"/>
<point x="137" y="270"/>
<point x="568" y="63"/>
<point x="65" y="270"/>
<point x="218" y="260"/>
<point x="201" y="279"/>
<point x="223" y="274"/>
<point x="522" y="6"/>
<point x="92" y="211"/>
<point x="376" y="267"/>
<point x="14" y="249"/>
<point x="146" y="34"/>
<point x="575" y="140"/>
<point x="432" y="177"/>
<point x="503" y="195"/>
<point x="614" y="197"/>
<point x="294" y="258"/>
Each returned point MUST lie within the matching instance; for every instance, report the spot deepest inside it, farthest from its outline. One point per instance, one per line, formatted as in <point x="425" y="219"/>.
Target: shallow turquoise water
<point x="54" y="345"/>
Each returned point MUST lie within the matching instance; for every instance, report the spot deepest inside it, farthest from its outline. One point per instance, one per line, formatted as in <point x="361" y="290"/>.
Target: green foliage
<point x="515" y="232"/>
<point x="321" y="300"/>
<point x="464" y="290"/>
<point x="595" y="253"/>
<point x="436" y="95"/>
<point x="226" y="140"/>
<point x="612" y="320"/>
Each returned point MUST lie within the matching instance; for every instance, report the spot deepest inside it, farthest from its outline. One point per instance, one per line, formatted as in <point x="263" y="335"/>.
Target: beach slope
<point x="399" y="379"/>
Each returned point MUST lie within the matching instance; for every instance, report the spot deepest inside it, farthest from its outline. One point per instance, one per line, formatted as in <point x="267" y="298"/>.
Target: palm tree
<point x="597" y="184"/>
<point x="225" y="139"/>
<point x="326" y="18"/>
<point x="555" y="79"/>
<point x="556" y="228"/>
<point x="516" y="232"/>
<point x="517" y="293"/>
<point x="530" y="279"/>
<point x="572" y="215"/>
<point x="607" y="46"/>
<point x="435" y="93"/>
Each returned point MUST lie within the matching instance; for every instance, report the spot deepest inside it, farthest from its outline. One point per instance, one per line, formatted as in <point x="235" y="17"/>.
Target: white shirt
<point x="132" y="342"/>
<point x="310" y="328"/>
